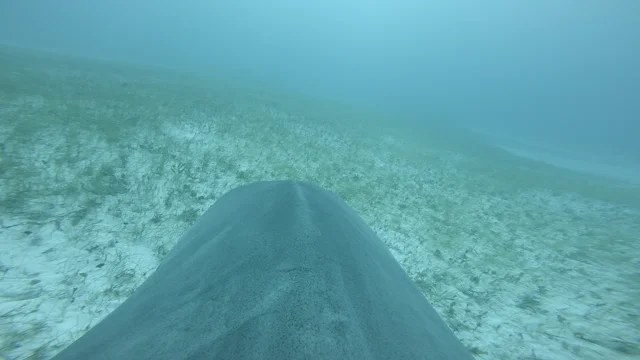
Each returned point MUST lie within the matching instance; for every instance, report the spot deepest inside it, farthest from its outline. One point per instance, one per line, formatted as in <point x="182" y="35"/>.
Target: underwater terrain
<point x="103" y="166"/>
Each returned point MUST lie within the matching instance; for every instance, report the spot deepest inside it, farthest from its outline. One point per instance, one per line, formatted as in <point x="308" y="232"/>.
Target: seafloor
<point x="103" y="166"/>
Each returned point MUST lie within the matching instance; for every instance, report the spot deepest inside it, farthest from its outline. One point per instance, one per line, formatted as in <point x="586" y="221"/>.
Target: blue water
<point x="562" y="73"/>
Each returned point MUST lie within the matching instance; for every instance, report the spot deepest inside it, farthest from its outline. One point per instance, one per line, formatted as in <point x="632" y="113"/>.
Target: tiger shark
<point x="274" y="270"/>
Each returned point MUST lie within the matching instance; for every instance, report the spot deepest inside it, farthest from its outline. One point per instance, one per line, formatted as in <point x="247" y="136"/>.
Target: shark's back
<point x="274" y="270"/>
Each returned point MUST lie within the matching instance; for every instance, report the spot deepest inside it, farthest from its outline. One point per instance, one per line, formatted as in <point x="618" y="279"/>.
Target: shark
<point x="274" y="270"/>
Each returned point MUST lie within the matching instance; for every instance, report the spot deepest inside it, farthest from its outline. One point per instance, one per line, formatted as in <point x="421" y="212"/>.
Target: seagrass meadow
<point x="104" y="165"/>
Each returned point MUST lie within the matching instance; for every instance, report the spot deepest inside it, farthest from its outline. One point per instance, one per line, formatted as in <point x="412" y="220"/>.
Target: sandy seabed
<point x="104" y="167"/>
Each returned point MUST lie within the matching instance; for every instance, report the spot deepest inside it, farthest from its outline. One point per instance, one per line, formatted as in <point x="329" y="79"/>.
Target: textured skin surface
<point x="274" y="270"/>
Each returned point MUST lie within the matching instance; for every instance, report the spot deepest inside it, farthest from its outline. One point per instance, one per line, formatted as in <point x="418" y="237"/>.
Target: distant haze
<point x="564" y="72"/>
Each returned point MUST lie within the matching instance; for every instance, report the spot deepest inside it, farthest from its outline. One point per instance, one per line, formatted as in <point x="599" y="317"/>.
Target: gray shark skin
<point x="274" y="270"/>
